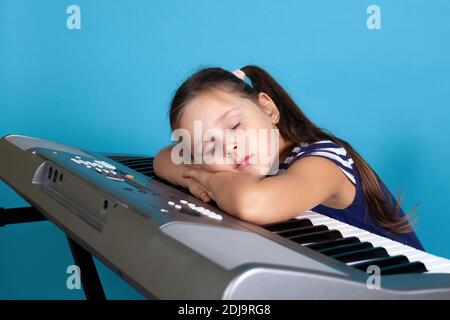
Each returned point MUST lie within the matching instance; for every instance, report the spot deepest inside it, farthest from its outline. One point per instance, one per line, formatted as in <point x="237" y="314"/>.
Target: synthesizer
<point x="170" y="245"/>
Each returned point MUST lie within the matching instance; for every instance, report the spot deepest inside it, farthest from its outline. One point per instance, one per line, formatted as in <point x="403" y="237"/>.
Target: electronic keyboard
<point x="170" y="245"/>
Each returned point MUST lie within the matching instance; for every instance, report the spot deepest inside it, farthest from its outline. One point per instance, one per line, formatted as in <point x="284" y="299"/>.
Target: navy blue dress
<point x="355" y="213"/>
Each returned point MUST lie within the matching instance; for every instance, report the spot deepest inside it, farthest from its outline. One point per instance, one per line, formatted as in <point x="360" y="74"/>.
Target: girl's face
<point x="232" y="133"/>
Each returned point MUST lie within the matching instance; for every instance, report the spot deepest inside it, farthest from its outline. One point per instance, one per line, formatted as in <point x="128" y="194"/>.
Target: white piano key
<point x="424" y="258"/>
<point x="314" y="216"/>
<point x="433" y="262"/>
<point x="355" y="233"/>
<point x="395" y="246"/>
<point x="444" y="268"/>
<point x="438" y="266"/>
<point x="397" y="250"/>
<point x="375" y="240"/>
<point x="323" y="220"/>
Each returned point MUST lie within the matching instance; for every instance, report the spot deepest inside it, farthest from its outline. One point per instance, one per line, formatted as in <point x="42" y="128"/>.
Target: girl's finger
<point x="204" y="196"/>
<point x="197" y="190"/>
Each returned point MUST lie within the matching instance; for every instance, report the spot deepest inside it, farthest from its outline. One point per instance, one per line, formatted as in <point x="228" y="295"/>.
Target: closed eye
<point x="236" y="126"/>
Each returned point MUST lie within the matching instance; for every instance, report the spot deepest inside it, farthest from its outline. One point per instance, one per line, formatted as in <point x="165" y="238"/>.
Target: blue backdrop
<point x="107" y="86"/>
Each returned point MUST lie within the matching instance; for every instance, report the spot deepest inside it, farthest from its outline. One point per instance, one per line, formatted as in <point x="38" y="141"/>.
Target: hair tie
<point x="239" y="73"/>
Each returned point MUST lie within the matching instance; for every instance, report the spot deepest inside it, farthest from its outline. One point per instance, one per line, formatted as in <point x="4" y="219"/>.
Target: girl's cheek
<point x="218" y="167"/>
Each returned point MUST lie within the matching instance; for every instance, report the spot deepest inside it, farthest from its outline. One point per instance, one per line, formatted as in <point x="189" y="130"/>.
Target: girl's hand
<point x="197" y="181"/>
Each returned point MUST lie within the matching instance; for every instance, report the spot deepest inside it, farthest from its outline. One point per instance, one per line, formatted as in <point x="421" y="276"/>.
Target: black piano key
<point x="410" y="267"/>
<point x="287" y="225"/>
<point x="346" y="248"/>
<point x="317" y="236"/>
<point x="332" y="243"/>
<point x="363" y="254"/>
<point x="299" y="231"/>
<point x="381" y="262"/>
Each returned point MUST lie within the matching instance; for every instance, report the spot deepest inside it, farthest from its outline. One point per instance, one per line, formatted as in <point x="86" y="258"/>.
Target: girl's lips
<point x="243" y="162"/>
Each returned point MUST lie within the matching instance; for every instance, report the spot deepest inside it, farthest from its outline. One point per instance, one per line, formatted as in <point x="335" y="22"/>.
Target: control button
<point x="77" y="157"/>
<point x="177" y="206"/>
<point x="115" y="179"/>
<point x="217" y="217"/>
<point x="209" y="214"/>
<point x="76" y="161"/>
<point x="183" y="201"/>
<point x="171" y="203"/>
<point x="99" y="170"/>
<point x="164" y="210"/>
<point x="129" y="176"/>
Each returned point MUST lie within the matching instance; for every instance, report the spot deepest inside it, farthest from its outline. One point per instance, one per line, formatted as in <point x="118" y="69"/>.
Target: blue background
<point x="107" y="87"/>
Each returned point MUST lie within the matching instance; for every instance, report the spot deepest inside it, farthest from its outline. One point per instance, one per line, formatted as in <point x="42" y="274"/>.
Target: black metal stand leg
<point x="19" y="215"/>
<point x="90" y="280"/>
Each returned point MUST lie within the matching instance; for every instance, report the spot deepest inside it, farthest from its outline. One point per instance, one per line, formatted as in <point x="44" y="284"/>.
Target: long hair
<point x="295" y="126"/>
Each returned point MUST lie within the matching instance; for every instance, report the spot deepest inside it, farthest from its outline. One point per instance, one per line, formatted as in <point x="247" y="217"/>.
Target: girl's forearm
<point x="166" y="169"/>
<point x="235" y="193"/>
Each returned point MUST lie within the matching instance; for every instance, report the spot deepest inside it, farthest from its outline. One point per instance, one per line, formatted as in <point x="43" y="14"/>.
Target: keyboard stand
<point x="90" y="279"/>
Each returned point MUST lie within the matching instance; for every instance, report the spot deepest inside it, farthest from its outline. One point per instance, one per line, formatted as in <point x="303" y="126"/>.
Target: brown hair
<point x="295" y="126"/>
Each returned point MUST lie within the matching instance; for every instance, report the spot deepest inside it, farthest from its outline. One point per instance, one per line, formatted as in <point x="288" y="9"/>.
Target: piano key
<point x="299" y="231"/>
<point x="398" y="249"/>
<point x="290" y="224"/>
<point x="316" y="216"/>
<point x="362" y="254"/>
<point x="332" y="243"/>
<point x="410" y="267"/>
<point x="433" y="263"/>
<point x="381" y="262"/>
<point x="438" y="265"/>
<point x="317" y="236"/>
<point x="346" y="248"/>
<point x="445" y="268"/>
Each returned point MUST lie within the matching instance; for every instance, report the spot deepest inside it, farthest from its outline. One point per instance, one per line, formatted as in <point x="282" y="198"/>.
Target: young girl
<point x="318" y="171"/>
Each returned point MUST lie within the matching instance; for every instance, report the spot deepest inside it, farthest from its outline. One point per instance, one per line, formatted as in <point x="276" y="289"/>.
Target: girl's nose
<point x="232" y="152"/>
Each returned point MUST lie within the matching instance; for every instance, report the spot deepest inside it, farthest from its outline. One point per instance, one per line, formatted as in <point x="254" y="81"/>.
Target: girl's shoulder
<point x="326" y="148"/>
<point x="323" y="148"/>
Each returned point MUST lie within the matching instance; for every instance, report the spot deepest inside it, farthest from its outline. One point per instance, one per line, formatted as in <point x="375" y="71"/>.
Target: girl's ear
<point x="269" y="107"/>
